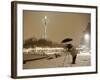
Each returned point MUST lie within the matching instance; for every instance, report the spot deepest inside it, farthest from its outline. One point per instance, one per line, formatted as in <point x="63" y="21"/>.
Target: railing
<point x="47" y="50"/>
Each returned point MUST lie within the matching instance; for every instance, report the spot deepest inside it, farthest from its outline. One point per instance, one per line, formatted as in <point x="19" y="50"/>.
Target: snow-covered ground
<point x="83" y="59"/>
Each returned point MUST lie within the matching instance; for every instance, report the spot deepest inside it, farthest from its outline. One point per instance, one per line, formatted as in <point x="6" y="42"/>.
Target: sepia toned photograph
<point x="56" y="39"/>
<point x="52" y="39"/>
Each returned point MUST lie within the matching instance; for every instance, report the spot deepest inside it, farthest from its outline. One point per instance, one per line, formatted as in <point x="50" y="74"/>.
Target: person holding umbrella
<point x="71" y="49"/>
<point x="73" y="52"/>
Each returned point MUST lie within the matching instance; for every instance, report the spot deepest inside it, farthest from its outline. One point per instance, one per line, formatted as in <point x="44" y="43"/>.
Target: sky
<point x="60" y="25"/>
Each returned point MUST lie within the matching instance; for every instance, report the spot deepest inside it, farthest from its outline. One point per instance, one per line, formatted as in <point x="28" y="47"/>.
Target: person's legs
<point x="74" y="59"/>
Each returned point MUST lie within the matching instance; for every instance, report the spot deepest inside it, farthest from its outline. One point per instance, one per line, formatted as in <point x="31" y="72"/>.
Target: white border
<point x="21" y="72"/>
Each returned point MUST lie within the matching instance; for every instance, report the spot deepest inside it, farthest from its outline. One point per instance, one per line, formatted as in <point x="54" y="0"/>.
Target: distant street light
<point x="86" y="36"/>
<point x="45" y="22"/>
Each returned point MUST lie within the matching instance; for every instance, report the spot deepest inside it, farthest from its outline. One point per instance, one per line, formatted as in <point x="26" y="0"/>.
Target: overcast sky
<point x="60" y="25"/>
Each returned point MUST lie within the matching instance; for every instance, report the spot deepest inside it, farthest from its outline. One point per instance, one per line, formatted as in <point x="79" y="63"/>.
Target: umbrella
<point x="66" y="40"/>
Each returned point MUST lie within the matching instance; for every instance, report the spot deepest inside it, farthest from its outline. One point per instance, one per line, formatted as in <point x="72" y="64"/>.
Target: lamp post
<point x="45" y="22"/>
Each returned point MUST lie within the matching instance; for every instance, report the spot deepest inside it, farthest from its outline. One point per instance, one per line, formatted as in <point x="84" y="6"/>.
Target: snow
<point x="83" y="59"/>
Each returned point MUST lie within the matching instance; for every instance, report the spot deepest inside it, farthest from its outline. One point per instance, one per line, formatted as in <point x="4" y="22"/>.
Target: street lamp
<point x="45" y="22"/>
<point x="86" y="36"/>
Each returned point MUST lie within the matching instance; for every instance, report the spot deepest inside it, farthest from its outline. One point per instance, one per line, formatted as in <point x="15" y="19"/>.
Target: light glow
<point x="86" y="36"/>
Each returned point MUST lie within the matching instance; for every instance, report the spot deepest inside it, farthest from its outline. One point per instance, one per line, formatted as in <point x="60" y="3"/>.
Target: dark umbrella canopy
<point x="66" y="40"/>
